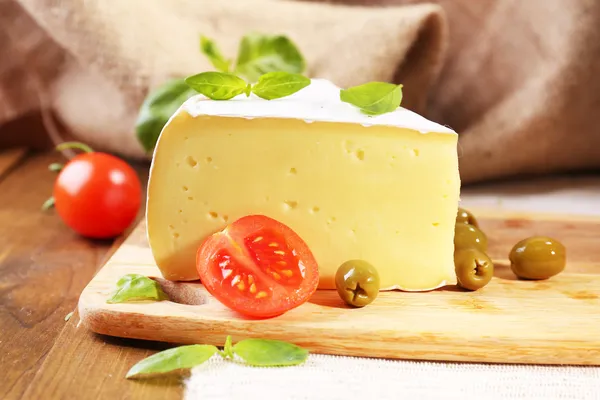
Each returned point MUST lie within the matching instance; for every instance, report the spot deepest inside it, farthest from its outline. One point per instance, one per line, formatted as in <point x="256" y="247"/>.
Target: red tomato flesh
<point x="97" y="195"/>
<point x="258" y="267"/>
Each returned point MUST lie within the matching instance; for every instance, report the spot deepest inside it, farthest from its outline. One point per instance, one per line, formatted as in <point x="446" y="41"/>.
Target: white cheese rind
<point x="320" y="101"/>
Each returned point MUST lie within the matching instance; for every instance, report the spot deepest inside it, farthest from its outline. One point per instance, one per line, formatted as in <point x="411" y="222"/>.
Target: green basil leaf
<point x="373" y="98"/>
<point x="218" y="85"/>
<point x="228" y="349"/>
<point x="274" y="85"/>
<point x="210" y="50"/>
<point x="171" y="361"/>
<point x="259" y="54"/>
<point x="270" y="353"/>
<point x="132" y="287"/>
<point x="157" y="108"/>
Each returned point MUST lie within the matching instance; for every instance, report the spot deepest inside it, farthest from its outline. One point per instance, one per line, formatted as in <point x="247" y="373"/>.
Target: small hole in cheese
<point x="171" y="227"/>
<point x="225" y="218"/>
<point x="175" y="235"/>
<point x="291" y="204"/>
<point x="213" y="214"/>
<point x="436" y="224"/>
<point x="191" y="161"/>
<point x="190" y="197"/>
<point x="208" y="160"/>
<point x="185" y="188"/>
<point x="360" y="154"/>
<point x="415" y="152"/>
<point x="315" y="209"/>
<point x="348" y="145"/>
<point x="293" y="171"/>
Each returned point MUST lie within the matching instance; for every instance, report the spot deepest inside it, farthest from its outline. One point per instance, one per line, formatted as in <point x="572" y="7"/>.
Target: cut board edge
<point x="102" y="321"/>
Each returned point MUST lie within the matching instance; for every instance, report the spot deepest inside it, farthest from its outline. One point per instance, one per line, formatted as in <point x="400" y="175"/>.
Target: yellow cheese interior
<point x="382" y="194"/>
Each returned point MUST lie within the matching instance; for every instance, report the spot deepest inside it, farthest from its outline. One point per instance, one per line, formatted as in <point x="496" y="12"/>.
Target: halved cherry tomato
<point x="258" y="267"/>
<point x="97" y="195"/>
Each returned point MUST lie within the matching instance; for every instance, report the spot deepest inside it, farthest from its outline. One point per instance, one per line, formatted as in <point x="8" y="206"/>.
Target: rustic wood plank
<point x="43" y="268"/>
<point x="9" y="159"/>
<point x="83" y="362"/>
<point x="507" y="321"/>
<point x="53" y="358"/>
<point x="93" y="367"/>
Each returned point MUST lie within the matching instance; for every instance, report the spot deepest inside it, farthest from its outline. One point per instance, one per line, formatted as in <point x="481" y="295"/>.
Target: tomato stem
<point x="74" y="145"/>
<point x="55" y="167"/>
<point x="48" y="204"/>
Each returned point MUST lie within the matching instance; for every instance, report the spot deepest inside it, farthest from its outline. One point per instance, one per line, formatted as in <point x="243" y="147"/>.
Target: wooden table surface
<point x="44" y="267"/>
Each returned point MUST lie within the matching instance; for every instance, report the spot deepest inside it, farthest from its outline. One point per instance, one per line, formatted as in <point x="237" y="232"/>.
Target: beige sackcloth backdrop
<point x="518" y="79"/>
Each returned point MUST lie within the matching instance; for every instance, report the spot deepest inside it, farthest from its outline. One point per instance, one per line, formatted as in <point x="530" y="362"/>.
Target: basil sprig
<point x="258" y="54"/>
<point x="218" y="85"/>
<point x="225" y="86"/>
<point x="373" y="98"/>
<point x="274" y="85"/>
<point x="254" y="352"/>
<point x="269" y="353"/>
<point x="209" y="48"/>
<point x="157" y="108"/>
<point x="172" y="361"/>
<point x="135" y="287"/>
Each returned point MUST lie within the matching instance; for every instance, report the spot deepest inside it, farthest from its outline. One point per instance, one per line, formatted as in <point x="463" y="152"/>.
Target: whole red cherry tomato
<point x="97" y="195"/>
<point x="258" y="266"/>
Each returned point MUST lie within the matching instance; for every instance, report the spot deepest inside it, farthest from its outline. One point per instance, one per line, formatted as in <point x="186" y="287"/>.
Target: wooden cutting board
<point x="509" y="321"/>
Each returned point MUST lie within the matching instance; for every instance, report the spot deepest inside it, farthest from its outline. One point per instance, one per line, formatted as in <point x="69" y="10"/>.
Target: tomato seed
<point x="273" y="244"/>
<point x="287" y="272"/>
<point x="261" y="294"/>
<point x="253" y="288"/>
<point x="280" y="252"/>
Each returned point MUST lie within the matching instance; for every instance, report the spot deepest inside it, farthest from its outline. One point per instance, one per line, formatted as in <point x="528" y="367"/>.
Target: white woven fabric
<point x="331" y="377"/>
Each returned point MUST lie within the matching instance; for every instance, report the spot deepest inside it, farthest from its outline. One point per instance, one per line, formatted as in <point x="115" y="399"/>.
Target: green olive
<point x="357" y="282"/>
<point x="465" y="217"/>
<point x="537" y="257"/>
<point x="474" y="269"/>
<point x="467" y="236"/>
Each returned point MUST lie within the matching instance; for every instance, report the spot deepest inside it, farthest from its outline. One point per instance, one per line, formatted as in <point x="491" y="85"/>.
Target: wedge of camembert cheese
<point x="383" y="189"/>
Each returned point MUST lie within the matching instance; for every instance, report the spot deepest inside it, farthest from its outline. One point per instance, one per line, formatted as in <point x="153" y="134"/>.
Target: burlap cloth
<point x="518" y="79"/>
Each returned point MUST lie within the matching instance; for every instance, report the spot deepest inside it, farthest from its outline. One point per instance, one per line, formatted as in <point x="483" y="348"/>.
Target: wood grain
<point x="43" y="268"/>
<point x="85" y="365"/>
<point x="10" y="159"/>
<point x="510" y="321"/>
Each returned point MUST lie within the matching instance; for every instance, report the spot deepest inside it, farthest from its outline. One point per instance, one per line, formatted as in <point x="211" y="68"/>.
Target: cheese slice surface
<point x="383" y="189"/>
